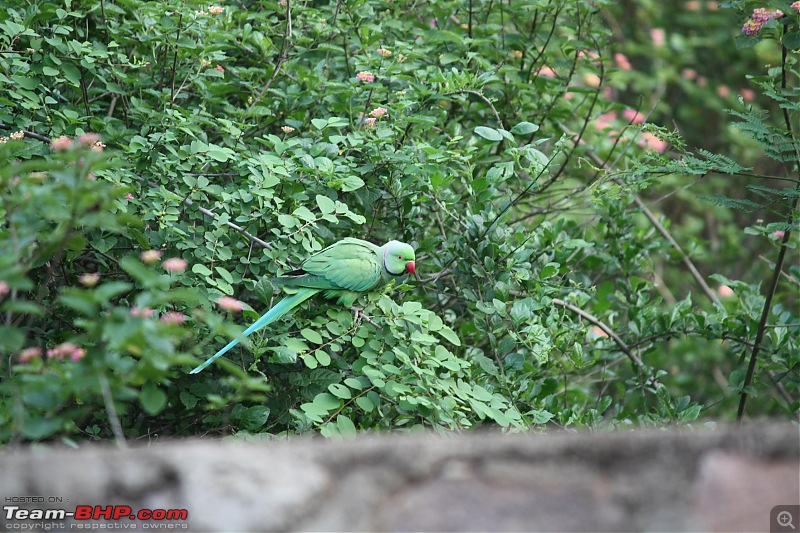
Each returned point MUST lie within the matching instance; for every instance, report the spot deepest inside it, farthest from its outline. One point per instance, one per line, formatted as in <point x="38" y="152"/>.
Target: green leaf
<point x="365" y="404"/>
<point x="524" y="128"/>
<point x="340" y="391"/>
<point x="323" y="357"/>
<point x="327" y="401"/>
<point x="11" y="339"/>
<point x="311" y="335"/>
<point x="791" y="40"/>
<point x="153" y="399"/>
<point x="255" y="417"/>
<point x="490" y="134"/>
<point x="188" y="400"/>
<point x="352" y="183"/>
<point x="346" y="426"/>
<point x="450" y="335"/>
<point x="40" y="427"/>
<point x="326" y="205"/>
<point x="201" y="269"/>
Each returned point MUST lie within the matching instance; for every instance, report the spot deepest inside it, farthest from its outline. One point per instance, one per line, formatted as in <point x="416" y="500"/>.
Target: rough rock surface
<point x="726" y="479"/>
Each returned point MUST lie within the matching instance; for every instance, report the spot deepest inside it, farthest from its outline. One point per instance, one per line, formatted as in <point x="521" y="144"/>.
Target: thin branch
<point x="776" y="273"/>
<point x="482" y="97"/>
<point x="111" y="411"/>
<point x="608" y="331"/>
<point x="664" y="233"/>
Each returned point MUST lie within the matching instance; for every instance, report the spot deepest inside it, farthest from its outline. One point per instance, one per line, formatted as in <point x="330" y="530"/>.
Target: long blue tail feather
<point x="277" y="311"/>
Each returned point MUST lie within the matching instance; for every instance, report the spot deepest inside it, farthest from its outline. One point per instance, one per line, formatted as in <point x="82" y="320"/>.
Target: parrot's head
<point x="398" y="258"/>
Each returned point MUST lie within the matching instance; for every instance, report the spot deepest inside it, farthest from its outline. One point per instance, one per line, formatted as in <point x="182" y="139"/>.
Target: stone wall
<point x="657" y="480"/>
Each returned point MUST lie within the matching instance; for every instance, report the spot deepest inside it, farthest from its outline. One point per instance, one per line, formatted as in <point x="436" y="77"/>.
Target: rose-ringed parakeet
<point x="343" y="271"/>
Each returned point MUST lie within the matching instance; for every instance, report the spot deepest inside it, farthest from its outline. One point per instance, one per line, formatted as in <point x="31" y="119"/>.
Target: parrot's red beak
<point x="411" y="267"/>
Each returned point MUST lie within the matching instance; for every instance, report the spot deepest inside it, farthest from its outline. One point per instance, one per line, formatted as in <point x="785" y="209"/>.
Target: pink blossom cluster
<point x="366" y="76"/>
<point x="173" y="318"/>
<point x="67" y="349"/>
<point x="29" y="354"/>
<point x="230" y="304"/>
<point x="175" y="264"/>
<point x="760" y="17"/>
<point x="796" y="6"/>
<point x="143" y="312"/>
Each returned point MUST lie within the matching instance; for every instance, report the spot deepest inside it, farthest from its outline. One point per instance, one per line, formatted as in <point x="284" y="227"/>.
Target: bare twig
<point x="111" y="411"/>
<point x="664" y="233"/>
<point x="607" y="330"/>
<point x="482" y="97"/>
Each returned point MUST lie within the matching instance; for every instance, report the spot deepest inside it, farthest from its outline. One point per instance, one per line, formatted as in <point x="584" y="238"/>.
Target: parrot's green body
<point x="343" y="271"/>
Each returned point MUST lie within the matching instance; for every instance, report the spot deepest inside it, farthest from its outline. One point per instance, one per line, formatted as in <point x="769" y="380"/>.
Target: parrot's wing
<point x="350" y="264"/>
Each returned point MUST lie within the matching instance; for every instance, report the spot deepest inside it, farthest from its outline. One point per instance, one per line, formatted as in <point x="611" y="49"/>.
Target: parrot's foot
<point x="358" y="316"/>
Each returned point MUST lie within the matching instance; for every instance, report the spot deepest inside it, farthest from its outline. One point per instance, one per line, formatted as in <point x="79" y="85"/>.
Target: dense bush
<point x="236" y="140"/>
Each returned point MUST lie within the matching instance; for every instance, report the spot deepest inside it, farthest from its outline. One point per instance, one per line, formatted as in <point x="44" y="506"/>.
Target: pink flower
<point x="150" y="257"/>
<point x="547" y="72"/>
<point x="219" y="68"/>
<point x="378" y="112"/>
<point x="87" y="140"/>
<point x="230" y="304"/>
<point x="693" y="5"/>
<point x="795" y="6"/>
<point x="77" y="354"/>
<point x="175" y="264"/>
<point x="215" y="10"/>
<point x="29" y="354"/>
<point x="760" y="17"/>
<point x="606" y="120"/>
<point x="98" y="147"/>
<point x="622" y="61"/>
<point x="129" y="196"/>
<point x="61" y="144"/>
<point x="383" y="52"/>
<point x="659" y="36"/>
<point x="4" y="288"/>
<point x="651" y="141"/>
<point x="724" y="291"/>
<point x="89" y="280"/>
<point x="591" y="79"/>
<point x="748" y="95"/>
<point x="370" y="122"/>
<point x="689" y="74"/>
<point x="366" y="76"/>
<point x="144" y="312"/>
<point x="633" y="116"/>
<point x="287" y="129"/>
<point x="173" y="318"/>
<point x="723" y="91"/>
<point x="778" y="234"/>
<point x="65" y="349"/>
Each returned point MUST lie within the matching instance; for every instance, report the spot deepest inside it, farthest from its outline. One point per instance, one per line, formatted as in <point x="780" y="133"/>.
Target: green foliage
<point x="240" y="142"/>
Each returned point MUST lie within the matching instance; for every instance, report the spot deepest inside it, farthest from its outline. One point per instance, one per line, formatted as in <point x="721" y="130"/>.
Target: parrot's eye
<point x="400" y="257"/>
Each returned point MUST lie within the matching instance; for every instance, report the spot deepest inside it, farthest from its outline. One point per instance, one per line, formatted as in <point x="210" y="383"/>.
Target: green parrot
<point x="343" y="270"/>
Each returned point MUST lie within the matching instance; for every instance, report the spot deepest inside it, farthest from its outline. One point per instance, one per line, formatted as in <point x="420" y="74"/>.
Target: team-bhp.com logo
<point x="84" y="514"/>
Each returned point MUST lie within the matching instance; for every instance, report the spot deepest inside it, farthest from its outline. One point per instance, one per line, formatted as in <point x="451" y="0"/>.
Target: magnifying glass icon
<point x="785" y="519"/>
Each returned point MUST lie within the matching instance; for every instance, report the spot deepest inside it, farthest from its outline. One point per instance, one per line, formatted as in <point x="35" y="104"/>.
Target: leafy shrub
<point x="241" y="140"/>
